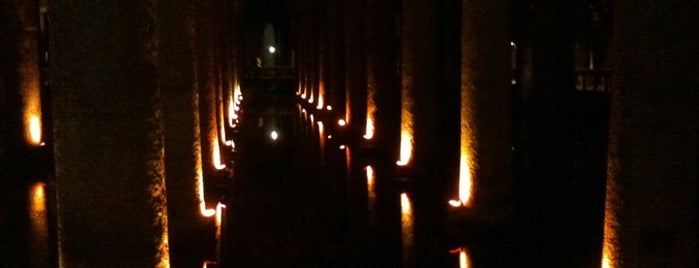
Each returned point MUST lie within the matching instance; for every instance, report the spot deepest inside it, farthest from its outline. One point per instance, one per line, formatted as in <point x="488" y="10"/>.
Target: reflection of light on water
<point x="219" y="220"/>
<point x="406" y="226"/>
<point x="38" y="231"/>
<point x="370" y="177"/>
<point x="321" y="134"/>
<point x="464" y="260"/>
<point x="406" y="146"/>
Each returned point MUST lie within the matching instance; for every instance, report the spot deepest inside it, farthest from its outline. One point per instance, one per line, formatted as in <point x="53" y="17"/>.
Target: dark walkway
<point x="286" y="206"/>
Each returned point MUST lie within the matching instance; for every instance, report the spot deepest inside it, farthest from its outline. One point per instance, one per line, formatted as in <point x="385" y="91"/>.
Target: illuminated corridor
<point x="343" y="133"/>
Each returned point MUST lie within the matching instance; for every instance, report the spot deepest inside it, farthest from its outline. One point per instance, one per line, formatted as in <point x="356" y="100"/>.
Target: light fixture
<point x="272" y="49"/>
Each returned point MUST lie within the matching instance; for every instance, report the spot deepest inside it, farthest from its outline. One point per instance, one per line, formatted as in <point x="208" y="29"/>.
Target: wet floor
<point x="300" y="197"/>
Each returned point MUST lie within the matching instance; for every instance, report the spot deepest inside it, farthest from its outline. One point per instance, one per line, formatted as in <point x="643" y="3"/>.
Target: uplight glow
<point x="217" y="157"/>
<point x="30" y="95"/>
<point x="321" y="95"/>
<point x="370" y="111"/>
<point x="200" y="191"/>
<point x="465" y="180"/>
<point x="610" y="253"/>
<point x="466" y="151"/>
<point x="35" y="129"/>
<point x="274" y="135"/>
<point x="406" y="147"/>
<point x="369" y="132"/>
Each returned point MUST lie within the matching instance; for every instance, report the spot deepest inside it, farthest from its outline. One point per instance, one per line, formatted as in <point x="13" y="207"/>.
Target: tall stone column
<point x="176" y="57"/>
<point x="651" y="206"/>
<point x="21" y="96"/>
<point x="355" y="67"/>
<point x="382" y="52"/>
<point x="423" y="122"/>
<point x="109" y="151"/>
<point x="206" y="82"/>
<point x="23" y="242"/>
<point x="382" y="80"/>
<point x="334" y="85"/>
<point x="485" y="107"/>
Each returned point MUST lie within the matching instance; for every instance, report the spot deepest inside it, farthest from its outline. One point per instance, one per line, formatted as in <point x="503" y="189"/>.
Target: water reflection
<point x="38" y="226"/>
<point x="305" y="201"/>
<point x="407" y="229"/>
<point x="464" y="259"/>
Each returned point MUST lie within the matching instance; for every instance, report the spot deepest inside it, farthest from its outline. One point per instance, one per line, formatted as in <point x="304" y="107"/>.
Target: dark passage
<point x="283" y="208"/>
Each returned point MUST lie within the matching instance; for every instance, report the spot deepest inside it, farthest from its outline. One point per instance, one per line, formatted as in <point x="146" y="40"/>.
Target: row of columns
<point x="152" y="68"/>
<point x="399" y="71"/>
<point x="136" y="120"/>
<point x="401" y="67"/>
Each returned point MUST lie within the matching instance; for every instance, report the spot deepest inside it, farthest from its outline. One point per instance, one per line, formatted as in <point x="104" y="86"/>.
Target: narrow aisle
<point x="282" y="210"/>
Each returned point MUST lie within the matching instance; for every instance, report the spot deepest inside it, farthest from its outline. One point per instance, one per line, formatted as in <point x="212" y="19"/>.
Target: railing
<point x="273" y="73"/>
<point x="593" y="80"/>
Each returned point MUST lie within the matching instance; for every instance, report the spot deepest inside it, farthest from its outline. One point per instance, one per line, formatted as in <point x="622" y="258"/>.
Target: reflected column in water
<point x="464" y="258"/>
<point x="38" y="227"/>
<point x="407" y="230"/>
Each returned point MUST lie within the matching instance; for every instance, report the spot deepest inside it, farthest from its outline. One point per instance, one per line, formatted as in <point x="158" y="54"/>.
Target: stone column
<point x="485" y="106"/>
<point x="382" y="51"/>
<point x="109" y="151"/>
<point x="355" y="67"/>
<point x="21" y="96"/>
<point x="176" y="57"/>
<point x="423" y="118"/>
<point x="206" y="82"/>
<point x="334" y="85"/>
<point x="651" y="210"/>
